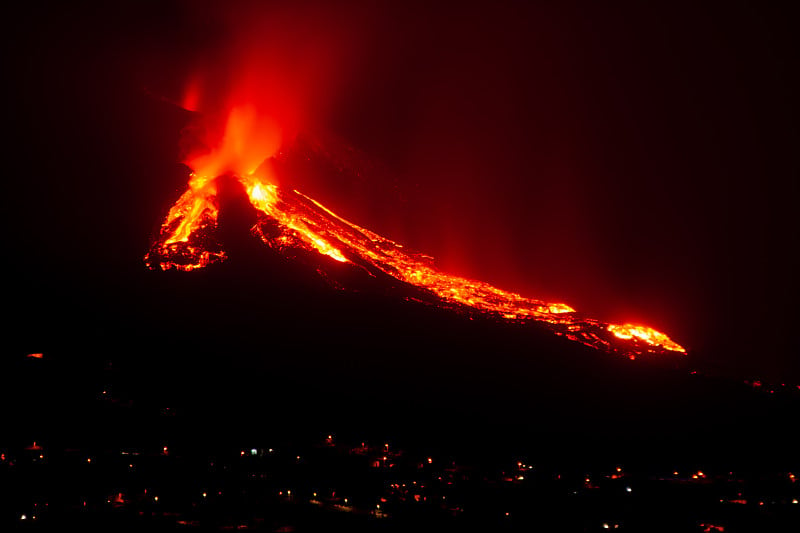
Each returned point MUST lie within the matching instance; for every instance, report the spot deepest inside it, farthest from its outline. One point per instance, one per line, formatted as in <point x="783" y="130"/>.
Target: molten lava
<point x="643" y="333"/>
<point x="194" y="211"/>
<point x="187" y="242"/>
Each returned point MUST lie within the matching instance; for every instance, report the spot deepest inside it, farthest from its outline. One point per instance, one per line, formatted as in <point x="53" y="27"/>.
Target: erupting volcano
<point x="302" y="229"/>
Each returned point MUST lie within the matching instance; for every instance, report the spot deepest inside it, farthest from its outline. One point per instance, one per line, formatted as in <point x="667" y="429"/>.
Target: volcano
<point x="349" y="257"/>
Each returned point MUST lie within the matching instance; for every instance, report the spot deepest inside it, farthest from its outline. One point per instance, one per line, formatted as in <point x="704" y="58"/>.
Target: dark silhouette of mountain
<point x="261" y="344"/>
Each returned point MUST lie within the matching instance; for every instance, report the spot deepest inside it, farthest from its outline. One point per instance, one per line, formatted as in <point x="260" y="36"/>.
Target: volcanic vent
<point x="301" y="229"/>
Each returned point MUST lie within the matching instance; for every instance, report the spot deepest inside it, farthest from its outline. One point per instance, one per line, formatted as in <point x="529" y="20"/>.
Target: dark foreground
<point x="330" y="485"/>
<point x="112" y="445"/>
<point x="157" y="401"/>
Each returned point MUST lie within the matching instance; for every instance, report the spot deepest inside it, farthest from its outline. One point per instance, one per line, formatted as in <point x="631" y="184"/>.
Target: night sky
<point x="639" y="163"/>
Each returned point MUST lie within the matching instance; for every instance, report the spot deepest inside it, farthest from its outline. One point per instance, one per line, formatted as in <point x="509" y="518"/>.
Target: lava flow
<point x="187" y="242"/>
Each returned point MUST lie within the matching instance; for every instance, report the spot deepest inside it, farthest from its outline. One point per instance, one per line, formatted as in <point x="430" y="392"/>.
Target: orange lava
<point x="645" y="334"/>
<point x="240" y="144"/>
<point x="307" y="224"/>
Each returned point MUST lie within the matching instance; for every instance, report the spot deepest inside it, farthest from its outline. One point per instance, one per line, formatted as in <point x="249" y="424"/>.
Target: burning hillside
<point x="293" y="224"/>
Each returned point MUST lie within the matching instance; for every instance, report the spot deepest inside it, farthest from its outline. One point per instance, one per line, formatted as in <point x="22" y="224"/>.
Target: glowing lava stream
<point x="186" y="243"/>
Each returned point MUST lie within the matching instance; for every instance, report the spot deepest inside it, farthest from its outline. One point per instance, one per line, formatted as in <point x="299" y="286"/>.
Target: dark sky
<point x="638" y="162"/>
